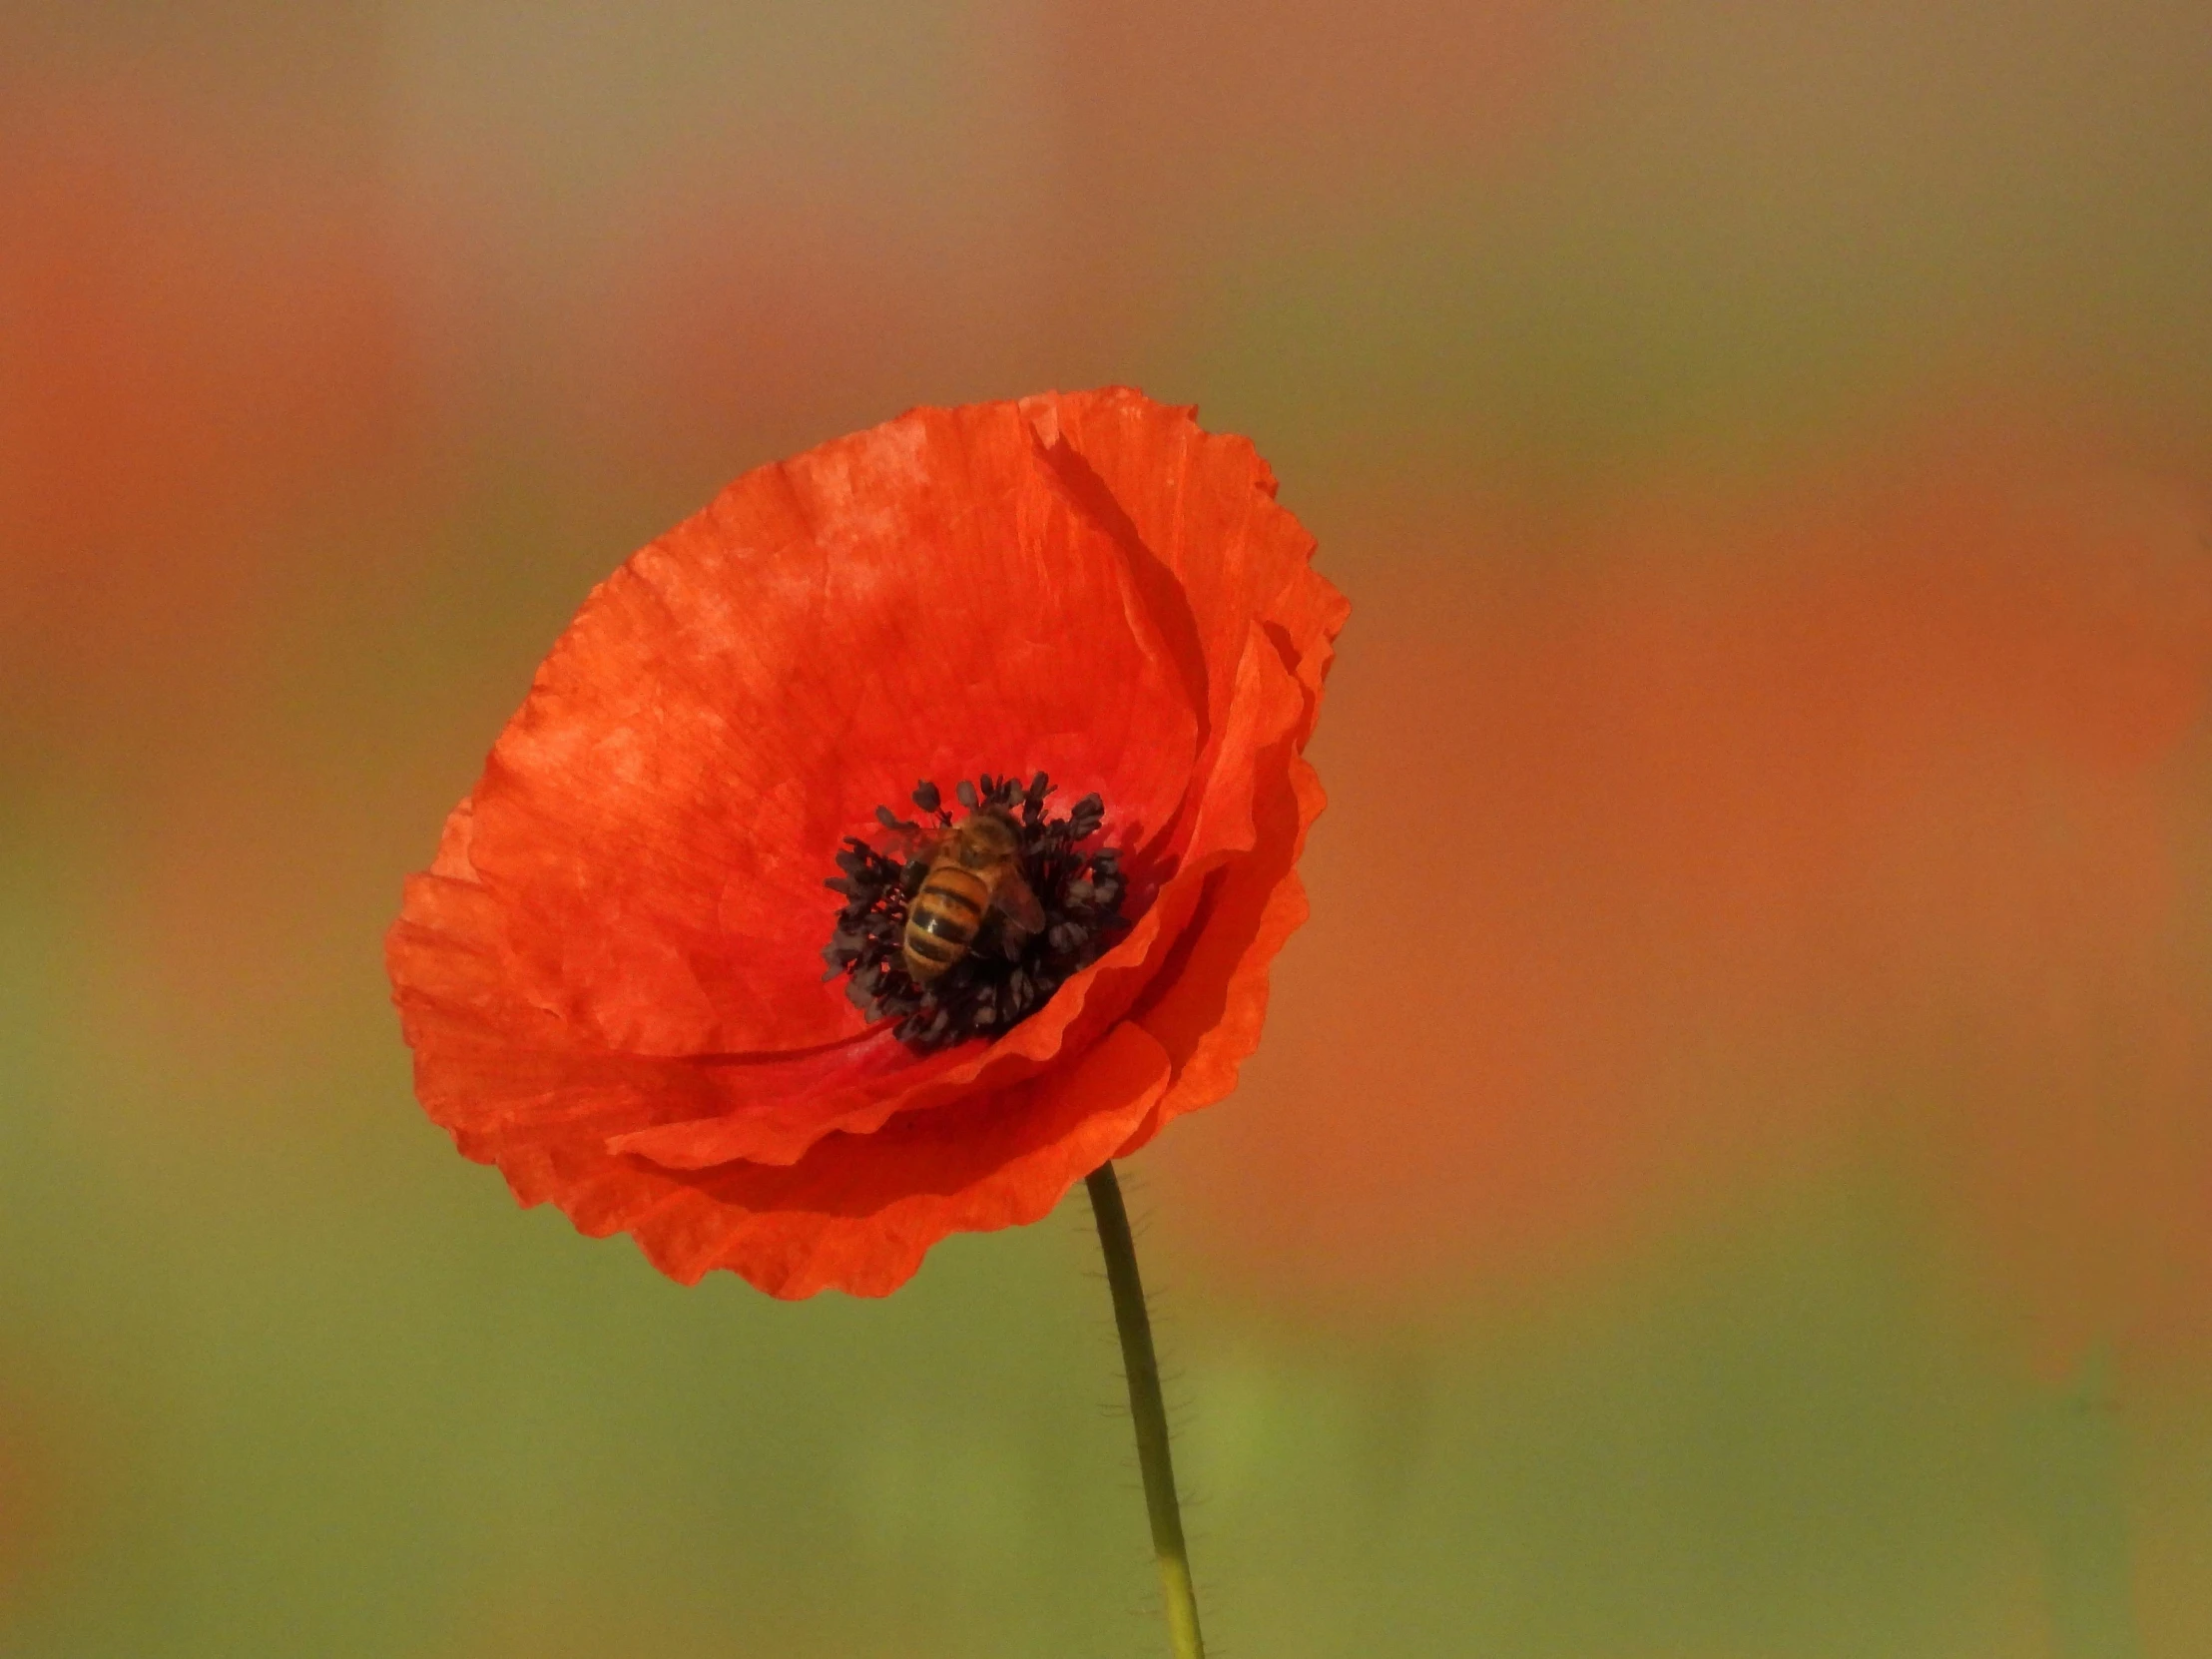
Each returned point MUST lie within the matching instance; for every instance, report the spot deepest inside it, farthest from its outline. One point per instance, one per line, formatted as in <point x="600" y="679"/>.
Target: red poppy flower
<point x="610" y="976"/>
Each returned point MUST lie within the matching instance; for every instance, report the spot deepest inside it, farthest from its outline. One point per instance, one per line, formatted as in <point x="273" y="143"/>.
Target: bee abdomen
<point x="942" y="920"/>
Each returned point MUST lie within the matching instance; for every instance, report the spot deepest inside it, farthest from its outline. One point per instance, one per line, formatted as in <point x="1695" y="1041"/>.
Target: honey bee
<point x="974" y="868"/>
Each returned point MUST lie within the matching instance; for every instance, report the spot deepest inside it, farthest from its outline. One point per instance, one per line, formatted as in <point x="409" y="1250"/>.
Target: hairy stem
<point x="1150" y="1412"/>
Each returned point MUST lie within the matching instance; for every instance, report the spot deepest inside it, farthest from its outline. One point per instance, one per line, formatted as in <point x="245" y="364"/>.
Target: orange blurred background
<point x="1730" y="1170"/>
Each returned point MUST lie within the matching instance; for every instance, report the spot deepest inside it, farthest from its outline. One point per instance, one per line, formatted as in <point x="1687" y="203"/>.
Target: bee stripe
<point x="920" y="945"/>
<point x="945" y="926"/>
<point x="945" y="893"/>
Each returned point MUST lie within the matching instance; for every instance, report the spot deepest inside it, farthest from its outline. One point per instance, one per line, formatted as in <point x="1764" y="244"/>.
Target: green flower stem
<point x="1150" y="1412"/>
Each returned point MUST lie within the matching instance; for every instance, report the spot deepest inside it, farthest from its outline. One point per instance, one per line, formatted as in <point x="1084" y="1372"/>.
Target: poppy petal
<point x="1205" y="503"/>
<point x="859" y="1213"/>
<point x="1207" y="1008"/>
<point x="747" y="689"/>
<point x="1265" y="712"/>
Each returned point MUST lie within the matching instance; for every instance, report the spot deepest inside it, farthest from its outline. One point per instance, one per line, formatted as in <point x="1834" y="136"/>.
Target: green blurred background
<point x="1730" y="1170"/>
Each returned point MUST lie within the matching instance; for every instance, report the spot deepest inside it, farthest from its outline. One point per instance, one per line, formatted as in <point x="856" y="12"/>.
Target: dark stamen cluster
<point x="1008" y="974"/>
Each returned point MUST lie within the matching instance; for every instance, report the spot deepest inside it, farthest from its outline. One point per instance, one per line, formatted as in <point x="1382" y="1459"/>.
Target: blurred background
<point x="1730" y="1169"/>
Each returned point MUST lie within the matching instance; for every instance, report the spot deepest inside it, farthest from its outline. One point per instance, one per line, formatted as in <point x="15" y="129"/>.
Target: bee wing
<point x="1012" y="895"/>
<point x="914" y="841"/>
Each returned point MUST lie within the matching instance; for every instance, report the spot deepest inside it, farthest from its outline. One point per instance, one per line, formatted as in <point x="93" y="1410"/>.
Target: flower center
<point x="965" y="925"/>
